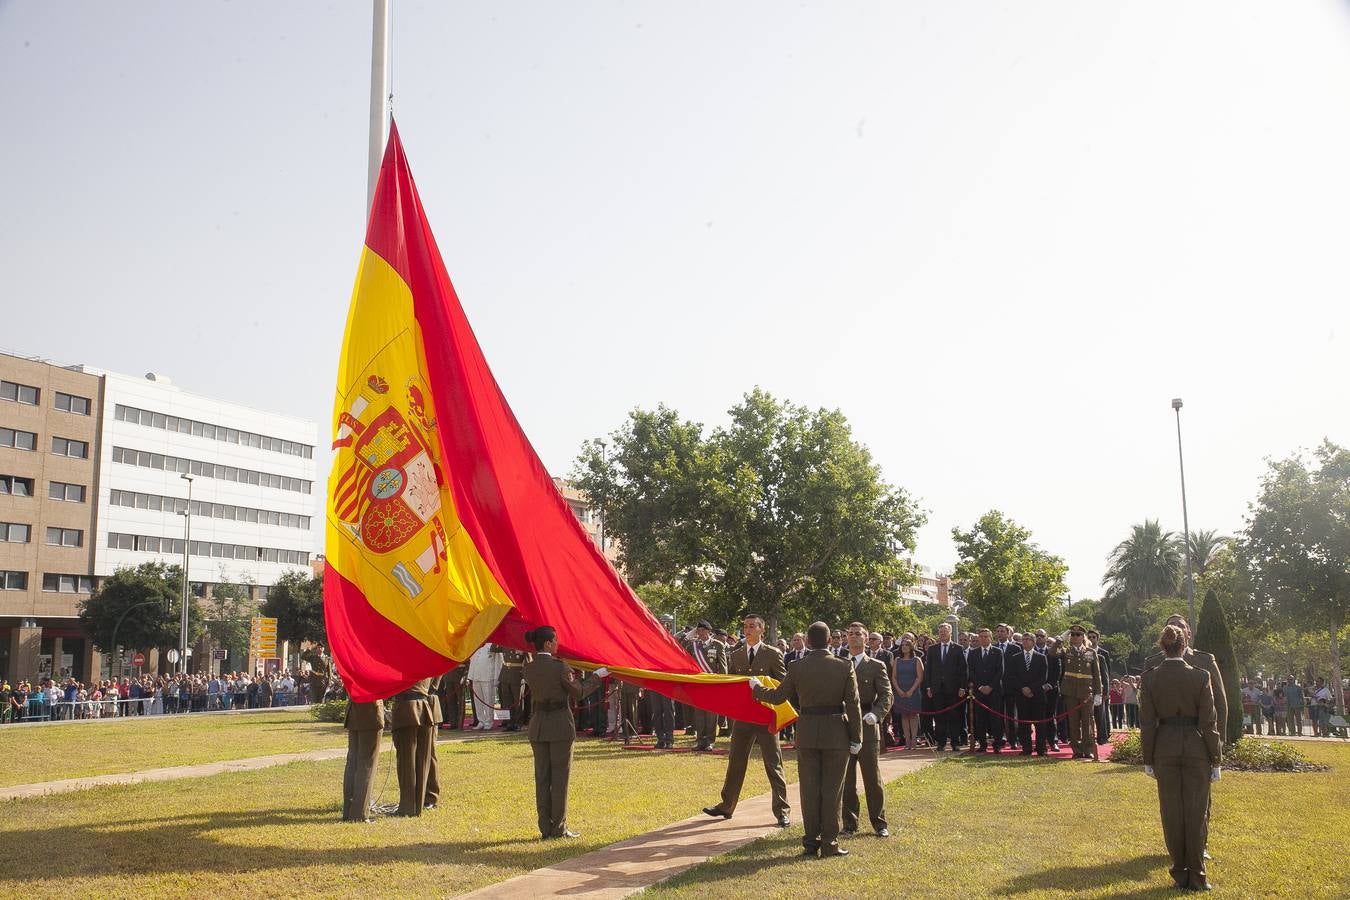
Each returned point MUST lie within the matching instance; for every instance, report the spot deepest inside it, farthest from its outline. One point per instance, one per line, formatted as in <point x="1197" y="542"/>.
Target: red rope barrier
<point x="1001" y="715"/>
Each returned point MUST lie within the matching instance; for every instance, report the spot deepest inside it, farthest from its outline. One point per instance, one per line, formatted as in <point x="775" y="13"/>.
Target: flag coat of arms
<point x="443" y="528"/>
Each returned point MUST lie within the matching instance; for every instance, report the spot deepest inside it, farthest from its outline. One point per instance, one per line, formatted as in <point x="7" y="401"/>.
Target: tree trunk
<point x="1337" y="692"/>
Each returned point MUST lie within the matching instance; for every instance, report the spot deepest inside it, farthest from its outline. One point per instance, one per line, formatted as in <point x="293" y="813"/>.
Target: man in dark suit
<point x="945" y="678"/>
<point x="1102" y="713"/>
<point x="986" y="682"/>
<point x="755" y="657"/>
<point x="1024" y="677"/>
<point x="1004" y="641"/>
<point x="1053" y="673"/>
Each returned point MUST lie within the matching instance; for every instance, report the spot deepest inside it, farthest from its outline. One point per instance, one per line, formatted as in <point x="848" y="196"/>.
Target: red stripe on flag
<point x="378" y="662"/>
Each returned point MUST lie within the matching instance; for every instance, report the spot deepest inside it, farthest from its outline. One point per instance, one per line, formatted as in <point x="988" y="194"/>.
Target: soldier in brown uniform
<point x="754" y="657"/>
<point x="1201" y="660"/>
<point x="1081" y="687"/>
<point x="824" y="690"/>
<point x="874" y="696"/>
<point x="711" y="657"/>
<point x="1180" y="739"/>
<point x="414" y="730"/>
<point x="509" y="685"/>
<point x="553" y="688"/>
<point x="433" y="795"/>
<point x="452" y="696"/>
<point x="365" y="724"/>
<point x="629" y="695"/>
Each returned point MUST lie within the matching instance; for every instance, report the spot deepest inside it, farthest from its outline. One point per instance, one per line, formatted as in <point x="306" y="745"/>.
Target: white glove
<point x="870" y="718"/>
<point x="1096" y="699"/>
<point x="601" y="672"/>
<point x="1214" y="774"/>
<point x="1148" y="770"/>
<point x="854" y="748"/>
<point x="755" y="682"/>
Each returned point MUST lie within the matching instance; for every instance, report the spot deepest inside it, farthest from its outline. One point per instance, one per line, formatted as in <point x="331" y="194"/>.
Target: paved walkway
<point x="629" y="866"/>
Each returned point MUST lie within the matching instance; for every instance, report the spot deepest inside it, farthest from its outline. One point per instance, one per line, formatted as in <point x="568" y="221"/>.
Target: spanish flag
<point x="443" y="528"/>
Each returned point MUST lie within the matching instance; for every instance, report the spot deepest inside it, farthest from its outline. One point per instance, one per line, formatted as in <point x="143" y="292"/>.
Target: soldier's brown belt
<point x="1179" y="720"/>
<point x="821" y="710"/>
<point x="409" y="695"/>
<point x="550" y="705"/>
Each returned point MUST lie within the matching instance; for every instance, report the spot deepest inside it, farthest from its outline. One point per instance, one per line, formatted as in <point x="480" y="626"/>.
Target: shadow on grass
<point x="1146" y="874"/>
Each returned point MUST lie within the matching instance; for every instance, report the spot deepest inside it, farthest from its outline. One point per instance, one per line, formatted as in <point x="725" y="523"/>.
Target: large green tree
<point x="1297" y="543"/>
<point x="1206" y="546"/>
<point x="139" y="608"/>
<point x="1145" y="565"/>
<point x="1006" y="576"/>
<point x="296" y="602"/>
<point x="228" y="619"/>
<point x="1212" y="636"/>
<point x="779" y="512"/>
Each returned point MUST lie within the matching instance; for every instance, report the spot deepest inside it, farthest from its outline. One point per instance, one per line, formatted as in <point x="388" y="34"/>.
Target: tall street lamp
<point x="1185" y="518"/>
<point x="604" y="463"/>
<point x="187" y="550"/>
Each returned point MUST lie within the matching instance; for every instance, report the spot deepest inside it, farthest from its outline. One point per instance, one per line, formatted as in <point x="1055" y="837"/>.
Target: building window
<point x="72" y="404"/>
<point x="19" y="440"/>
<point x="67" y="584"/>
<point x="212" y="432"/>
<point x="65" y="537"/>
<point x="148" y="460"/>
<point x="67" y="447"/>
<point x="19" y="393"/>
<point x="60" y="490"/>
<point x="13" y="581"/>
<point x="15" y="486"/>
<point x="14" y="532"/>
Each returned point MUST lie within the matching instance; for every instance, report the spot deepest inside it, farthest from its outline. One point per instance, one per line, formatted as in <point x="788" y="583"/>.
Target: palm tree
<point x="1205" y="546"/>
<point x="1146" y="564"/>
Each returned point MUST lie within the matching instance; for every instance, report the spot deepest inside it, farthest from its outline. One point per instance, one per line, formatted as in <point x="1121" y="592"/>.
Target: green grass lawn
<point x="275" y="831"/>
<point x="1011" y="827"/>
<point x="47" y="752"/>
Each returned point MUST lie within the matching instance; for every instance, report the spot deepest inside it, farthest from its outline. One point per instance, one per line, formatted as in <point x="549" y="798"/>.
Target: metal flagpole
<point x="379" y="96"/>
<point x="1185" y="519"/>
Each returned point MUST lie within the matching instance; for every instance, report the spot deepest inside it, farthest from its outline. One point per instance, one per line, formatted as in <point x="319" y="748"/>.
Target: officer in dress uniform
<point x="414" y="731"/>
<point x="509" y="685"/>
<point x="553" y="689"/>
<point x="1081" y="687"/>
<point x="874" y="697"/>
<point x="711" y="657"/>
<point x="365" y="724"/>
<point x="824" y="689"/>
<point x="1179" y="735"/>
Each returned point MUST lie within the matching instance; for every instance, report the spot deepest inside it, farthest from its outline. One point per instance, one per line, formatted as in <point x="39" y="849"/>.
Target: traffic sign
<point x="220" y="654"/>
<point x="172" y="656"/>
<point x="138" y="659"/>
<point x="262" y="640"/>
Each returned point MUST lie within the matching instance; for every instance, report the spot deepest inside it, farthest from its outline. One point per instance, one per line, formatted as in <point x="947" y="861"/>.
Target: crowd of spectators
<point x="1277" y="708"/>
<point x="147" y="695"/>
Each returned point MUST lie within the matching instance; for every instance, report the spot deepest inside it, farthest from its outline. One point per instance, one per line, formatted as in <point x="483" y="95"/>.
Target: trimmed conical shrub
<point x="1212" y="636"/>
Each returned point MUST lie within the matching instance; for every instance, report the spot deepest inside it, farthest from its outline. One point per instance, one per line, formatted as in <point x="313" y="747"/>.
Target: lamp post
<point x="1185" y="518"/>
<point x="604" y="462"/>
<point x="187" y="551"/>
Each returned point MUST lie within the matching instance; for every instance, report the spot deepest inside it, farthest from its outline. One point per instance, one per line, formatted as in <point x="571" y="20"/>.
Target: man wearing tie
<point x="945" y="678"/>
<point x="986" y="679"/>
<point x="874" y="697"/>
<point x="1024" y="678"/>
<point x="754" y="657"/>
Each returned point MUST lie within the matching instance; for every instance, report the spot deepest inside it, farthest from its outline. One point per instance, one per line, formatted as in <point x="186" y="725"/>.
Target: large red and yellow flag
<point x="444" y="529"/>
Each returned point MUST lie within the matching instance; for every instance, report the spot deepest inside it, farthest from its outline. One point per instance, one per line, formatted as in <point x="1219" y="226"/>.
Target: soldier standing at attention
<point x="365" y="724"/>
<point x="553" y="688"/>
<point x="414" y="730"/>
<point x="1198" y="659"/>
<point x="509" y="685"/>
<point x="1180" y="737"/>
<point x="711" y="657"/>
<point x="433" y="795"/>
<point x="1081" y="687"/>
<point x="874" y="697"/>
<point x="823" y="688"/>
<point x="755" y="657"/>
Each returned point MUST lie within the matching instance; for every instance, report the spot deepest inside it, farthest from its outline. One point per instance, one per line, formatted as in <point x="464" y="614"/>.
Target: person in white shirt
<point x="485" y="668"/>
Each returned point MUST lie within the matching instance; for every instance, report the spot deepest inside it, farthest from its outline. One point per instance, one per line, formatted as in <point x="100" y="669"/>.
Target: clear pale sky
<point x="1000" y="237"/>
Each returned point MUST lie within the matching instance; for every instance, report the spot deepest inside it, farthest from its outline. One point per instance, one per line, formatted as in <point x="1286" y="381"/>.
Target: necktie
<point x="944" y="652"/>
<point x="752" y="656"/>
<point x="1028" y="662"/>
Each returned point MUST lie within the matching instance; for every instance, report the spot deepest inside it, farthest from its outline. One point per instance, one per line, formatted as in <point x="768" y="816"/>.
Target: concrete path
<point x="629" y="866"/>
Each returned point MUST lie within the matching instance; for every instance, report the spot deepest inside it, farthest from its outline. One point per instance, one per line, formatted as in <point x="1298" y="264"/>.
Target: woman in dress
<point x="907" y="675"/>
<point x="553" y="689"/>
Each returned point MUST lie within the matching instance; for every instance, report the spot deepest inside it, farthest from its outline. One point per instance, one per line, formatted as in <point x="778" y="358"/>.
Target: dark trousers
<point x="743" y="736"/>
<point x="820" y="775"/>
<point x="412" y="746"/>
<point x="1183" y="801"/>
<point x="628" y="711"/>
<point x="1101" y="715"/>
<point x="1029" y="708"/>
<point x="552" y="768"/>
<point x="663" y="716"/>
<point x="358" y="782"/>
<point x="433" y="794"/>
<point x="508" y="694"/>
<point x="988" y="726"/>
<point x="869" y="761"/>
<point x="947" y="724"/>
<point x="705" y="724"/>
<point x="1009" y="730"/>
